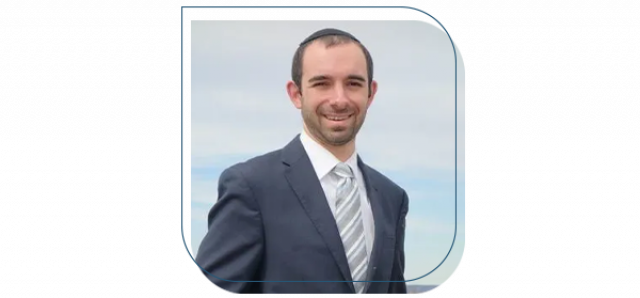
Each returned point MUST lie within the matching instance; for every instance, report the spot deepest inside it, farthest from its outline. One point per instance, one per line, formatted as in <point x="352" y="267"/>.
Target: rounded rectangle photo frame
<point x="455" y="141"/>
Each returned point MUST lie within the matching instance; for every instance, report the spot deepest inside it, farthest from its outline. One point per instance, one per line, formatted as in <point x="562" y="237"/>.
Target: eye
<point x="319" y="84"/>
<point x="355" y="83"/>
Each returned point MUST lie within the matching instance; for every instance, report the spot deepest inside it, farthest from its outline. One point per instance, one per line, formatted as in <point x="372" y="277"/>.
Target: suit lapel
<point x="375" y="201"/>
<point x="304" y="182"/>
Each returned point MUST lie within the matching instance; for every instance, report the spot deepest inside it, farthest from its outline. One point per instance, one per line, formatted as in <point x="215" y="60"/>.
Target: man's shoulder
<point x="381" y="181"/>
<point x="257" y="165"/>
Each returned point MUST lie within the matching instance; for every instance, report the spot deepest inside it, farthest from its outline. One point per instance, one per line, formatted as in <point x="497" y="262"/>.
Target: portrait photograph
<point x="323" y="156"/>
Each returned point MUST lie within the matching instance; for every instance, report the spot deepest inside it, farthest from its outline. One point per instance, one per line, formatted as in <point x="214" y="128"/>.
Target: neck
<point x="342" y="152"/>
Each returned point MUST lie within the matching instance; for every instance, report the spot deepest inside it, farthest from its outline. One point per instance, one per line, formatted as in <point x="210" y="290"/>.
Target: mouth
<point x="338" y="118"/>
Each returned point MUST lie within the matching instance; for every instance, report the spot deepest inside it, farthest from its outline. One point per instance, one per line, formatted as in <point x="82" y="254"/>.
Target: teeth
<point x="334" y="118"/>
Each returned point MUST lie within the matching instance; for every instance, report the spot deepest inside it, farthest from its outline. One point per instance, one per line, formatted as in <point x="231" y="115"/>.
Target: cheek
<point x="362" y="105"/>
<point x="309" y="109"/>
<point x="310" y="103"/>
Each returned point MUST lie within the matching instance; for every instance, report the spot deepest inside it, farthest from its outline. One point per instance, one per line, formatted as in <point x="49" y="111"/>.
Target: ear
<point x="374" y="89"/>
<point x="294" y="94"/>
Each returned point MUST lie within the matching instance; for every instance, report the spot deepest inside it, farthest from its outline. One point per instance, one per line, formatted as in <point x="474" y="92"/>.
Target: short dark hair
<point x="329" y="41"/>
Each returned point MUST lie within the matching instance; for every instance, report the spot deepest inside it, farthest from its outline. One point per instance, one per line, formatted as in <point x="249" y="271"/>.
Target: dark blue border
<point x="455" y="57"/>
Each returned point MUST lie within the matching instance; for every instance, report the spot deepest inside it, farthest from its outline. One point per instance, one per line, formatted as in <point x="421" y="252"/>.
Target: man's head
<point x="332" y="83"/>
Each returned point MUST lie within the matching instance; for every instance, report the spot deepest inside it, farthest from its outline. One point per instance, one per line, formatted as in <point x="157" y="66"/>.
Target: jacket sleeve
<point x="397" y="284"/>
<point x="231" y="252"/>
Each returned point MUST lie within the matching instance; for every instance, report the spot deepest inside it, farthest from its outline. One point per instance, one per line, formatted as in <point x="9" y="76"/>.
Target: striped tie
<point x="349" y="221"/>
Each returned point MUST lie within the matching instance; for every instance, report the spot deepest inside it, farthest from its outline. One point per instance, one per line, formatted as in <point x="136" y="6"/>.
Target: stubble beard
<point x="338" y="136"/>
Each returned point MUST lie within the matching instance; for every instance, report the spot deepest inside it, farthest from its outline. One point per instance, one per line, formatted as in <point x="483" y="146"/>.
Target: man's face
<point x="335" y="95"/>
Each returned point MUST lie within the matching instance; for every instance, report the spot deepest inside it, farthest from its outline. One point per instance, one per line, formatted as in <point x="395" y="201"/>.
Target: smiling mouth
<point x="338" y="118"/>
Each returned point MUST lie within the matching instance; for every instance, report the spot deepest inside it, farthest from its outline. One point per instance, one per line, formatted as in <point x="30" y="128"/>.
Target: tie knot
<point x="343" y="170"/>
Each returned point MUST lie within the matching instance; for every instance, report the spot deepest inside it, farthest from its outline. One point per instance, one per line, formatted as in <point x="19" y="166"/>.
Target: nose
<point x="339" y="98"/>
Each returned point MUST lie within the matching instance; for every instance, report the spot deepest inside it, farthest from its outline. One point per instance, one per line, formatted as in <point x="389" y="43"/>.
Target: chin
<point x="339" y="138"/>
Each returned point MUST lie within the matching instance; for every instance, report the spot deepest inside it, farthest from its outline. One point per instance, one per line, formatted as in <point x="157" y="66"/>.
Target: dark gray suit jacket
<point x="272" y="224"/>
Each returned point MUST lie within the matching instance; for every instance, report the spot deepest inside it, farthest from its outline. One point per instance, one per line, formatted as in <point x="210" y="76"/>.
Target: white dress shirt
<point x="323" y="163"/>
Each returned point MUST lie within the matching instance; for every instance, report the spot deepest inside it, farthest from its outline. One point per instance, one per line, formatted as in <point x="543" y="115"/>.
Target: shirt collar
<point x="322" y="160"/>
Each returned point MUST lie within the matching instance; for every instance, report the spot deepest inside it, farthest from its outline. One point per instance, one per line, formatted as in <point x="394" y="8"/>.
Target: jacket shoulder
<point x="256" y="166"/>
<point x="384" y="182"/>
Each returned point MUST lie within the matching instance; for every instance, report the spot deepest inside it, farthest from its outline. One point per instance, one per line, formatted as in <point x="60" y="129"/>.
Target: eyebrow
<point x="318" y="78"/>
<point x="350" y="77"/>
<point x="357" y="78"/>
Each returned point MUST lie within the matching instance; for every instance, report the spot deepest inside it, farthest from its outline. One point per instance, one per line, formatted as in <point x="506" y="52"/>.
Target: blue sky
<point x="240" y="109"/>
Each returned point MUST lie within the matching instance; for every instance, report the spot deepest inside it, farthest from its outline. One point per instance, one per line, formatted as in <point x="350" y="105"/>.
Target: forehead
<point x="336" y="60"/>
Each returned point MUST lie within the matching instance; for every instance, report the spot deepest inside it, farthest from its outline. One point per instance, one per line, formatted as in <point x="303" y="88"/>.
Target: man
<point x="312" y="217"/>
